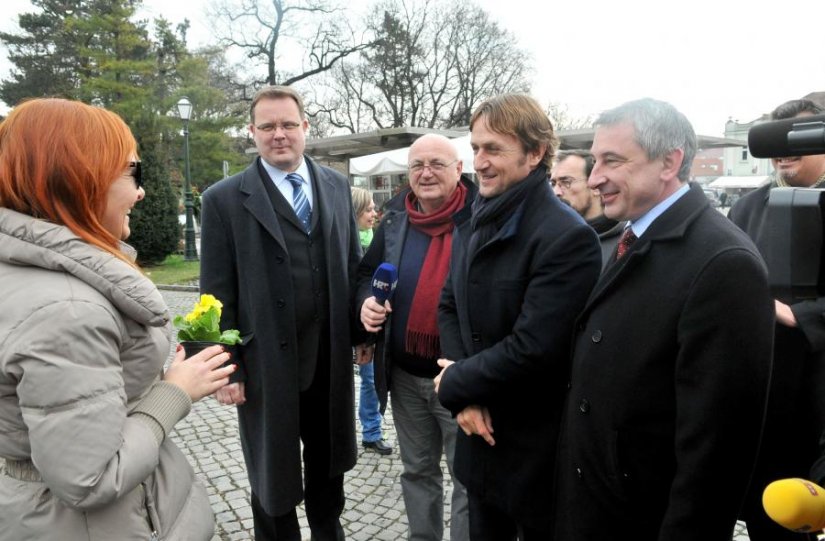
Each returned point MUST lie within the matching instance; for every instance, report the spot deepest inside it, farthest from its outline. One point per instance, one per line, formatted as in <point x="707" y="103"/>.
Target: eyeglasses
<point x="565" y="182"/>
<point x="435" y="167"/>
<point x="136" y="174"/>
<point x="271" y="127"/>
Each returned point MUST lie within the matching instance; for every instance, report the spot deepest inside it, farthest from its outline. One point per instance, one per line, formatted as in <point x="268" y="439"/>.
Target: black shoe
<point x="381" y="447"/>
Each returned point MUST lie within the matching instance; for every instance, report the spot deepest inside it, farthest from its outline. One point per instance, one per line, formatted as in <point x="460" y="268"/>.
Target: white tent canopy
<point x="396" y="162"/>
<point x="751" y="182"/>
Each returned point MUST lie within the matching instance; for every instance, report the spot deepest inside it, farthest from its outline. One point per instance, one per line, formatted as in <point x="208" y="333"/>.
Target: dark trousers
<point x="489" y="523"/>
<point x="323" y="496"/>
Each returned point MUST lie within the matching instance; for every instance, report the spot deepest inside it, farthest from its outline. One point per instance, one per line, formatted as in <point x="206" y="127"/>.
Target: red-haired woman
<point x="85" y="408"/>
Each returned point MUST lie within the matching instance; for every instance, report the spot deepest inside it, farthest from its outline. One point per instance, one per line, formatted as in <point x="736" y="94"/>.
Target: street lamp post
<point x="190" y="252"/>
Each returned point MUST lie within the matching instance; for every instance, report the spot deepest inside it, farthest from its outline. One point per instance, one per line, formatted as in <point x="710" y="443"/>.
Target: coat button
<point x="597" y="336"/>
<point x="569" y="385"/>
<point x="584" y="405"/>
<point x="579" y="473"/>
<point x="279" y="259"/>
<point x="284" y="344"/>
<point x="476" y="337"/>
<point x="281" y="303"/>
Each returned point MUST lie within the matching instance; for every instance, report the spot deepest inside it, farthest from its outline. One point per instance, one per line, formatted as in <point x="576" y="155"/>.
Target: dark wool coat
<point x="796" y="408"/>
<point x="669" y="381"/>
<point x="244" y="263"/>
<point x="506" y="317"/>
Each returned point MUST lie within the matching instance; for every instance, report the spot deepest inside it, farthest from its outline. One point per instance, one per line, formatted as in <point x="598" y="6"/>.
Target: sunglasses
<point x="136" y="174"/>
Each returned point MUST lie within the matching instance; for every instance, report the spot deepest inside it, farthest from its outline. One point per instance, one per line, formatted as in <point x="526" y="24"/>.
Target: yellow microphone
<point x="796" y="504"/>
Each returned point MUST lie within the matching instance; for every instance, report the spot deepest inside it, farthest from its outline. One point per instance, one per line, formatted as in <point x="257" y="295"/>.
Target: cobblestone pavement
<point x="374" y="508"/>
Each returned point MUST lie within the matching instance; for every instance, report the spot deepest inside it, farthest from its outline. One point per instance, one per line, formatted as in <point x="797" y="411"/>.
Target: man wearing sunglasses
<point x="568" y="177"/>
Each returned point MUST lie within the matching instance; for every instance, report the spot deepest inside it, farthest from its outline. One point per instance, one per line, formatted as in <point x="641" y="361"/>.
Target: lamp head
<point x="185" y="108"/>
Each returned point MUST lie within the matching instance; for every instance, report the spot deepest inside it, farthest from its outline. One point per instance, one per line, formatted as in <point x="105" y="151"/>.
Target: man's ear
<point x="534" y="157"/>
<point x="672" y="162"/>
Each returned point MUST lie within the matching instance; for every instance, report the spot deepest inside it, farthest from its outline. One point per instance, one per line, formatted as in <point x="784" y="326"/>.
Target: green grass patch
<point x="174" y="270"/>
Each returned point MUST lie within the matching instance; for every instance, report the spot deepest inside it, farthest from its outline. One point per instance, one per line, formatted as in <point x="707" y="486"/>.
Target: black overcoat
<point x="671" y="362"/>
<point x="506" y="317"/>
<point x="245" y="264"/>
<point x="796" y="408"/>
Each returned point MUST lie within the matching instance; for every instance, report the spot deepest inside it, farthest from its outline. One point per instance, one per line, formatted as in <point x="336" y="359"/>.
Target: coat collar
<point x="257" y="201"/>
<point x="671" y="225"/>
<point x="38" y="243"/>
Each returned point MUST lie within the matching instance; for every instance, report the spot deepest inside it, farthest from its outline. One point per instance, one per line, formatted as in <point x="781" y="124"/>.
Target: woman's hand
<point x="200" y="375"/>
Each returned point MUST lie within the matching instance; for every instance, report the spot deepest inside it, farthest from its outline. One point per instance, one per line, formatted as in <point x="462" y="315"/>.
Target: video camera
<point x="796" y="257"/>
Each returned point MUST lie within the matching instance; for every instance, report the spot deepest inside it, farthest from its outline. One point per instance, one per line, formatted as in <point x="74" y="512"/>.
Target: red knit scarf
<point x="422" y="326"/>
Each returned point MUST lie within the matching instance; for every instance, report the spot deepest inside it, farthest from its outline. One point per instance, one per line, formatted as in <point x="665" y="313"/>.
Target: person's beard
<point x="789" y="176"/>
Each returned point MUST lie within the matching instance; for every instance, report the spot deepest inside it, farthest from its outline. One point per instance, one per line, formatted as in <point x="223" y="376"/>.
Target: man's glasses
<point x="135" y="166"/>
<point x="435" y="166"/>
<point x="565" y="182"/>
<point x="286" y="126"/>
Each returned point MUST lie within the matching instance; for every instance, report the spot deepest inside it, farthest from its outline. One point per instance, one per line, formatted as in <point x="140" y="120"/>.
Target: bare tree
<point x="268" y="32"/>
<point x="432" y="63"/>
<point x="563" y="119"/>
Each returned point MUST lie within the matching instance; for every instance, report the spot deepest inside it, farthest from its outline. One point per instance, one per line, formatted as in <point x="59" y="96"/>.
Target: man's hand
<point x="477" y="420"/>
<point x="784" y="315"/>
<point x="231" y="394"/>
<point x="373" y="315"/>
<point x="444" y="364"/>
<point x="363" y="354"/>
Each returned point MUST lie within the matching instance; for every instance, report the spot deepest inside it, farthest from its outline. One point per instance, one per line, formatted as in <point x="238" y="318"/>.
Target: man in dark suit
<point x="568" y="177"/>
<point x="522" y="267"/>
<point x="671" y="354"/>
<point x="280" y="249"/>
<point x="796" y="408"/>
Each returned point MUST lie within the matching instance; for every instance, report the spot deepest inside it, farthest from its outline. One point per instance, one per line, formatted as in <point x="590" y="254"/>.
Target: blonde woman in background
<point x="369" y="408"/>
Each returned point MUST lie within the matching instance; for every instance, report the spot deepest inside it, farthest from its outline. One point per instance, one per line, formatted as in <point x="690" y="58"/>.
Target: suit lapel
<point x="673" y="224"/>
<point x="257" y="203"/>
<point x="325" y="197"/>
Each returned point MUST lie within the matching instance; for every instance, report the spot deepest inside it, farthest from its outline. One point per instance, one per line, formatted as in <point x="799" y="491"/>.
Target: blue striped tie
<point x="299" y="199"/>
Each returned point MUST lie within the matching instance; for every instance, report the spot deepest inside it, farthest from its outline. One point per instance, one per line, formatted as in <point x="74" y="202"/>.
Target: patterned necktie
<point x="625" y="241"/>
<point x="299" y="199"/>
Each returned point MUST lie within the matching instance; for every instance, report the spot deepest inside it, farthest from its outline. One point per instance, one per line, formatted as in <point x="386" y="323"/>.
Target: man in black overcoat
<point x="522" y="267"/>
<point x="796" y="407"/>
<point x="279" y="250"/>
<point x="672" y="351"/>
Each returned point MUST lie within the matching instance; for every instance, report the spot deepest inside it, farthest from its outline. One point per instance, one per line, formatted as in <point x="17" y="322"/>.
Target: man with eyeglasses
<point x="522" y="267"/>
<point x="279" y="249"/>
<point x="415" y="235"/>
<point x="568" y="177"/>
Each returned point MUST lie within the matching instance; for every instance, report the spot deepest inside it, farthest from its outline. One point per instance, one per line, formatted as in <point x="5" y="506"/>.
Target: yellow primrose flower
<point x="202" y="324"/>
<point x="207" y="302"/>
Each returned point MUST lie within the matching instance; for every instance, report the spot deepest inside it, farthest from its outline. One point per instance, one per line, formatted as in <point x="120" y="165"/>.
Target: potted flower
<point x="200" y="328"/>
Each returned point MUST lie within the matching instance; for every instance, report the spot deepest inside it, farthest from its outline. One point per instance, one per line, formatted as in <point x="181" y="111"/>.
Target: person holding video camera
<point x="796" y="405"/>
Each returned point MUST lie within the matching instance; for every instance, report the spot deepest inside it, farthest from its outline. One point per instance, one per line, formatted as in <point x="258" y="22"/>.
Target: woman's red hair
<point x="58" y="159"/>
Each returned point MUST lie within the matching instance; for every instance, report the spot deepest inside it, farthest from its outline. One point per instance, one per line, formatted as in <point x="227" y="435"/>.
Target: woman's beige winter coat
<point x="83" y="413"/>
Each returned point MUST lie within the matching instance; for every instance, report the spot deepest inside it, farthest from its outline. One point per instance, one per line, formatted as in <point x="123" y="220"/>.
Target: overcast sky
<point x="713" y="59"/>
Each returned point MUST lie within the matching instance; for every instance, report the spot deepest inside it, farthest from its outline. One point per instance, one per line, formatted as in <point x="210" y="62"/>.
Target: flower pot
<point x="191" y="348"/>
